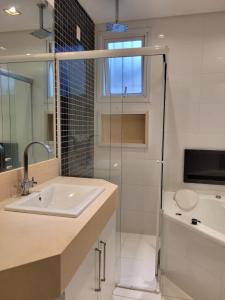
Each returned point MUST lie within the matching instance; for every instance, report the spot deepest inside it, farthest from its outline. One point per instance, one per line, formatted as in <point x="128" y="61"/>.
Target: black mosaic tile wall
<point x="76" y="89"/>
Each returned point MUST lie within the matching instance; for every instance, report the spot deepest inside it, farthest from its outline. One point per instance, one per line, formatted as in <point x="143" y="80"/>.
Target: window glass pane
<point x="124" y="44"/>
<point x="125" y="71"/>
<point x="51" y="80"/>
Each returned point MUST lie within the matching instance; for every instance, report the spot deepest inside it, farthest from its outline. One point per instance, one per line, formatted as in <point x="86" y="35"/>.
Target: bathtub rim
<point x="202" y="229"/>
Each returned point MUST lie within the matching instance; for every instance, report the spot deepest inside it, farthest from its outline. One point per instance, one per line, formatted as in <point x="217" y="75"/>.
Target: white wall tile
<point x="185" y="88"/>
<point x="138" y="222"/>
<point x="132" y="198"/>
<point x="213" y="88"/>
<point x="183" y="117"/>
<point x="141" y="172"/>
<point x="151" y="198"/>
<point x="196" y="88"/>
<point x="184" y="38"/>
<point x="214" y="43"/>
<point x="212" y="118"/>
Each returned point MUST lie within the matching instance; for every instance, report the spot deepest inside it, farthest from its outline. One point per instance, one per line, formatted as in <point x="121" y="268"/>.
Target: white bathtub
<point x="193" y="256"/>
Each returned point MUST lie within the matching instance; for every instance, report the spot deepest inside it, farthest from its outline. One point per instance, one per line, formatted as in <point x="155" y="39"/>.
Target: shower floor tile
<point x="138" y="270"/>
<point x="138" y="261"/>
<point x="144" y="296"/>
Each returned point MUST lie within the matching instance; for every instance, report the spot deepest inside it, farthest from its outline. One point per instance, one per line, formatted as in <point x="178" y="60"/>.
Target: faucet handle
<point x="26" y="185"/>
<point x="33" y="181"/>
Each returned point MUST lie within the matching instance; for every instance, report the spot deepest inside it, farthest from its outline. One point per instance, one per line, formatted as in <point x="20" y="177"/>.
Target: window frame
<point x="141" y="38"/>
<point x="103" y="39"/>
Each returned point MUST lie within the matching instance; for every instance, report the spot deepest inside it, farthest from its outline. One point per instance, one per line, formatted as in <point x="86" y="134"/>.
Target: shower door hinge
<point x="160" y="162"/>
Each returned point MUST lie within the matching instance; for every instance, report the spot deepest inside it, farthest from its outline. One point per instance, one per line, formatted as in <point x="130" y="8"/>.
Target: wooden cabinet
<point x="95" y="278"/>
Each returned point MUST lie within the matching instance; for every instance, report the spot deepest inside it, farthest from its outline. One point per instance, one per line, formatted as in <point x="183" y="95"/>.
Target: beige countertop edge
<point x="29" y="269"/>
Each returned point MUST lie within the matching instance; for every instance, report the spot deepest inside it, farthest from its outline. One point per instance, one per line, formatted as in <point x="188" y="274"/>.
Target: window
<point x="124" y="73"/>
<point x="50" y="80"/>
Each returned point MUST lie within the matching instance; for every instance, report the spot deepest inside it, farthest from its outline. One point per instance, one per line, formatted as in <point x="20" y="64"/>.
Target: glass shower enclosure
<point x="128" y="137"/>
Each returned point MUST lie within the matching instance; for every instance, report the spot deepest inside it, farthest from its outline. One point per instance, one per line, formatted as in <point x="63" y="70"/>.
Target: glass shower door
<point x="142" y="117"/>
<point x="108" y="140"/>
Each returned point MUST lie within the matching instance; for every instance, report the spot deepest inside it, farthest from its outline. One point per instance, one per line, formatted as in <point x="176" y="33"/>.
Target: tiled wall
<point x="196" y="89"/>
<point x="76" y="89"/>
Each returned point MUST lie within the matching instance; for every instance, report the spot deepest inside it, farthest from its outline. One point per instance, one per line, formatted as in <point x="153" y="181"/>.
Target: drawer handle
<point x="99" y="288"/>
<point x="104" y="261"/>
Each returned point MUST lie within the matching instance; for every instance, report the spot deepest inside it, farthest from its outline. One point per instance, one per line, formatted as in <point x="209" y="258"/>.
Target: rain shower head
<point x="41" y="33"/>
<point x="117" y="27"/>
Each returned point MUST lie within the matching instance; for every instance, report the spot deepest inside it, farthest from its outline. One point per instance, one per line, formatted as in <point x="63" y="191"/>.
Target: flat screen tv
<point x="204" y="166"/>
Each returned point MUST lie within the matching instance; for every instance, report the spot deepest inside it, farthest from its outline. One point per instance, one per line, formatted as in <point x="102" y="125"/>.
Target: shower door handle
<point x="104" y="261"/>
<point x="99" y="288"/>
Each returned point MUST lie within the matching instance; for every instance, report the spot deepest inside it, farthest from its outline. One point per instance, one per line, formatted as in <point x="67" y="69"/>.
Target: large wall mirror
<point x="27" y="93"/>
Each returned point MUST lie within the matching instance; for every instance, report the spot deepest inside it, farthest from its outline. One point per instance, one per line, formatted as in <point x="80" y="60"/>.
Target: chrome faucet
<point x="26" y="183"/>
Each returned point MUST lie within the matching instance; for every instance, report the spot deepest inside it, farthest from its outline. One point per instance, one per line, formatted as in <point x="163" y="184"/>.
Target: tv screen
<point x="204" y="166"/>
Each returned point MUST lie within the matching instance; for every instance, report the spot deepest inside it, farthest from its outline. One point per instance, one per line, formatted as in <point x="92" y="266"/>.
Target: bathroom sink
<point x="64" y="200"/>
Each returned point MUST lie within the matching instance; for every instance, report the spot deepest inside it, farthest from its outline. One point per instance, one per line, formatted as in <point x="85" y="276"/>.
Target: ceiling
<point x="103" y="10"/>
<point x="29" y="19"/>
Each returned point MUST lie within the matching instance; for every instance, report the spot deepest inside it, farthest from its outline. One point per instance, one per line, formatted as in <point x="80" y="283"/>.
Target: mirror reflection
<point x="27" y="94"/>
<point x="27" y="110"/>
<point x="27" y="32"/>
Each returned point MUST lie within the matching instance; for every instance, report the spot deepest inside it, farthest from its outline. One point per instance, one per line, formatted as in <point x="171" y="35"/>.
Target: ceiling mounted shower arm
<point x="42" y="33"/>
<point x="117" y="11"/>
<point x="41" y="7"/>
<point x="117" y="26"/>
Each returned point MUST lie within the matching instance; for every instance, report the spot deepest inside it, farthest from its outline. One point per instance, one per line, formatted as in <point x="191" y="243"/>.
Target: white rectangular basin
<point x="64" y="200"/>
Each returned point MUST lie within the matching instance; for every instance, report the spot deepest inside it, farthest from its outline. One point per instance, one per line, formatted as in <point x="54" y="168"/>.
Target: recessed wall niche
<point x="130" y="129"/>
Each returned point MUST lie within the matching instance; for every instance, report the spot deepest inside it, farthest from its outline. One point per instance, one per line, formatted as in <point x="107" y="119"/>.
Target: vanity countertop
<point x="39" y="254"/>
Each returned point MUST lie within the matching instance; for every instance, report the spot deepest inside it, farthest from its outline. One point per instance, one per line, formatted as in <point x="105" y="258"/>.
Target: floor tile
<point x="144" y="249"/>
<point x="145" y="296"/>
<point x="128" y="293"/>
<point x="138" y="261"/>
<point x="120" y="298"/>
<point x="138" y="271"/>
